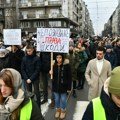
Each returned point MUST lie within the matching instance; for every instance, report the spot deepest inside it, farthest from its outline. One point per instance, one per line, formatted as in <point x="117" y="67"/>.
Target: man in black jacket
<point x="30" y="69"/>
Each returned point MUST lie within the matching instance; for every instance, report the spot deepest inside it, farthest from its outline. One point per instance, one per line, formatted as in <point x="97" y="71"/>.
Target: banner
<point x="53" y="39"/>
<point x="12" y="36"/>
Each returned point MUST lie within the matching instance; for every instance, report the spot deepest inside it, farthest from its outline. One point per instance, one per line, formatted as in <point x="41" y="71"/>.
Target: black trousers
<point x="81" y="79"/>
<point x="44" y="77"/>
<point x="35" y="86"/>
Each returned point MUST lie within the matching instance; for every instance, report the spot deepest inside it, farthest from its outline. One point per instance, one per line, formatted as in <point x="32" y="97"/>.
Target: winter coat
<point x="30" y="67"/>
<point x="17" y="100"/>
<point x="74" y="63"/>
<point x="15" y="59"/>
<point x="45" y="61"/>
<point x="117" y="51"/>
<point x="83" y="60"/>
<point x="112" y="58"/>
<point x="36" y="112"/>
<point x="61" y="77"/>
<point x="4" y="62"/>
<point x="112" y="112"/>
<point x="96" y="81"/>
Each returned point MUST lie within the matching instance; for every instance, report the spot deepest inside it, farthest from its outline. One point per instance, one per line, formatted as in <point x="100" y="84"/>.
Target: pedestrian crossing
<point x="78" y="113"/>
<point x="79" y="110"/>
<point x="45" y="107"/>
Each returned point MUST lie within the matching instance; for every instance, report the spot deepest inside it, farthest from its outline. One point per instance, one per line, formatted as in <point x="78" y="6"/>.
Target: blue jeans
<point x="60" y="97"/>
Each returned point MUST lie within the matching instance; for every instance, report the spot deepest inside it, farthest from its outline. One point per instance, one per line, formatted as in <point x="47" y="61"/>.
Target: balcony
<point x="31" y="4"/>
<point x="1" y="5"/>
<point x="7" y="5"/>
<point x="55" y="16"/>
<point x="32" y="16"/>
<point x="54" y="3"/>
<point x="40" y="4"/>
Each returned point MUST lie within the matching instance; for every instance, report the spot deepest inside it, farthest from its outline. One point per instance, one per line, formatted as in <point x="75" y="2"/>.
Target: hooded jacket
<point x="61" y="77"/>
<point x="18" y="100"/>
<point x="111" y="110"/>
<point x="83" y="57"/>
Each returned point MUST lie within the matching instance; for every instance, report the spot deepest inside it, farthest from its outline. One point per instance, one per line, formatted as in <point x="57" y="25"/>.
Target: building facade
<point x="29" y="15"/>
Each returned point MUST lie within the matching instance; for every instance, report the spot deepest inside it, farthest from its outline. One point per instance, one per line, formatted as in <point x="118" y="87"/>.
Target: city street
<point x="75" y="106"/>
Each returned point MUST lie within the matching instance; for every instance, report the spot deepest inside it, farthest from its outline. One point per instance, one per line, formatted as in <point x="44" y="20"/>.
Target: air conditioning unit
<point x="29" y="4"/>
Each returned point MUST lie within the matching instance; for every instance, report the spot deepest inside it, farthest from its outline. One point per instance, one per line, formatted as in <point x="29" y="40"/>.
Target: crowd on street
<point x="25" y="73"/>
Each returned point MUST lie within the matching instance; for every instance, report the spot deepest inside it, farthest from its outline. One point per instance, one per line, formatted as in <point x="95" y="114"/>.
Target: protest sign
<point x="53" y="40"/>
<point x="12" y="36"/>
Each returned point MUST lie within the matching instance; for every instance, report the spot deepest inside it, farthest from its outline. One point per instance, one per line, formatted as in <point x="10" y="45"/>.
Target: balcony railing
<point x="31" y="4"/>
<point x="54" y="2"/>
<point x="55" y="15"/>
<point x="35" y="4"/>
<point x="12" y="4"/>
<point x="33" y="16"/>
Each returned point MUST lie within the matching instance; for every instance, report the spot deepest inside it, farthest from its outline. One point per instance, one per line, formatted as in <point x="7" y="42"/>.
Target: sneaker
<point x="63" y="114"/>
<point x="58" y="112"/>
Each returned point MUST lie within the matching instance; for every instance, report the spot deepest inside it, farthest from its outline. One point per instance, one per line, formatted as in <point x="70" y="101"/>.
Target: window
<point x="65" y="24"/>
<point x="24" y="14"/>
<point x="54" y="23"/>
<point x="39" y="24"/>
<point x="38" y="13"/>
<point x="7" y="1"/>
<point x="54" y="12"/>
<point x="24" y="1"/>
<point x="25" y="25"/>
<point x="1" y="13"/>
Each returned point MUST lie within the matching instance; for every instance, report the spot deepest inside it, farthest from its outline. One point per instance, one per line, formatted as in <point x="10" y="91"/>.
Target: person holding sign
<point x="61" y="83"/>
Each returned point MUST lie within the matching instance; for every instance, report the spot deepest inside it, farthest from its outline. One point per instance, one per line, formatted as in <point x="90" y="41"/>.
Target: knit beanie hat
<point x="114" y="84"/>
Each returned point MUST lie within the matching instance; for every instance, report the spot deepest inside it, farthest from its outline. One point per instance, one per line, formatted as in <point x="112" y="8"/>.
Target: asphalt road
<point x="72" y="105"/>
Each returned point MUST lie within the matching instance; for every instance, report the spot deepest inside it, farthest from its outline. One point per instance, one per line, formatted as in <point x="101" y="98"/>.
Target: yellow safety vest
<point x="98" y="110"/>
<point x="25" y="113"/>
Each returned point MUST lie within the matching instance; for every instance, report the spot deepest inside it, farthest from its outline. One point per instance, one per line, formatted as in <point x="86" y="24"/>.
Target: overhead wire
<point x="98" y="8"/>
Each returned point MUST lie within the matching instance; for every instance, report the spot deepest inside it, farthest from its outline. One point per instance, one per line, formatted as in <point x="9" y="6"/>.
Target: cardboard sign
<point x="53" y="40"/>
<point x="12" y="36"/>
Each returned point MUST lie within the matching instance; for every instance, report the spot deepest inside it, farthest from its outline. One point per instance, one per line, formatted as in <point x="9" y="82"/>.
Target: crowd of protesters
<point x="88" y="59"/>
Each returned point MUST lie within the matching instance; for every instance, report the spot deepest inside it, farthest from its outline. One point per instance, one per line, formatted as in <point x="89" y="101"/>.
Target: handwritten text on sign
<point x="12" y="36"/>
<point x="53" y="40"/>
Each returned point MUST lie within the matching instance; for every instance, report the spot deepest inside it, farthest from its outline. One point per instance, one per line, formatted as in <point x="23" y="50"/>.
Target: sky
<point x="100" y="11"/>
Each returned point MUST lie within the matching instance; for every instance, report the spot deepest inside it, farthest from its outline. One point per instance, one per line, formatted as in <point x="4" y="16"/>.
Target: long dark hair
<point x="63" y="57"/>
